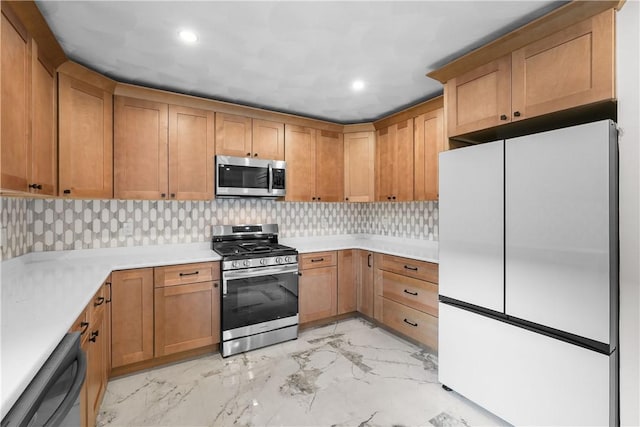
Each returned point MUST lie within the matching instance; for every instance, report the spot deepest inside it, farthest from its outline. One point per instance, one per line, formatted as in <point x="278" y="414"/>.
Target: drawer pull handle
<point x="369" y="260"/>
<point x="94" y="335"/>
<point x="410" y="293"/>
<point x="189" y="274"/>
<point x="85" y="326"/>
<point x="410" y="323"/>
<point x="317" y="260"/>
<point x="98" y="302"/>
<point x="110" y="292"/>
<point x="408" y="267"/>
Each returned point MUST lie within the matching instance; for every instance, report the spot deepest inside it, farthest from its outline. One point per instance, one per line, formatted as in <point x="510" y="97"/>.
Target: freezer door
<point x="471" y="217"/>
<point x="558" y="229"/>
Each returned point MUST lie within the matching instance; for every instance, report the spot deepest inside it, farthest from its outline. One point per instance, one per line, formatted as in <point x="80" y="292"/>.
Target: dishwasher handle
<point x="74" y="391"/>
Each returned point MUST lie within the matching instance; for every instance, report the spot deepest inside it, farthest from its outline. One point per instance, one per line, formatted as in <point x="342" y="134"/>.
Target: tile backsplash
<point x="60" y="224"/>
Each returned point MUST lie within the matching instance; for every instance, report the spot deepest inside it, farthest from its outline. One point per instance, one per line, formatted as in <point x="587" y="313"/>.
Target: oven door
<point x="247" y="177"/>
<point x="258" y="299"/>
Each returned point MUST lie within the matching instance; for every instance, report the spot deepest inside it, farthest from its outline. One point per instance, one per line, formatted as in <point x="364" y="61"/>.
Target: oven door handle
<point x="270" y="179"/>
<point x="255" y="272"/>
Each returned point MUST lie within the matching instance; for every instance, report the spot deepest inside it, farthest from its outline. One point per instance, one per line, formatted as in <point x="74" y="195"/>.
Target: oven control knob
<point x="263" y="261"/>
<point x="247" y="263"/>
<point x="287" y="259"/>
<point x="235" y="264"/>
<point x="279" y="260"/>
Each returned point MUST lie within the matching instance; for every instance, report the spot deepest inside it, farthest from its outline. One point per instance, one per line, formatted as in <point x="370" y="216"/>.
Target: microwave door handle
<point x="270" y="178"/>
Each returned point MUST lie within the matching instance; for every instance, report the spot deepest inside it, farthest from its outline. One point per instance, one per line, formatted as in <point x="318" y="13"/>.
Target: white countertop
<point x="43" y="293"/>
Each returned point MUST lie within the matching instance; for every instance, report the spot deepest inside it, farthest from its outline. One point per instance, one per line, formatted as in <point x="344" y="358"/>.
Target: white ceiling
<point x="297" y="57"/>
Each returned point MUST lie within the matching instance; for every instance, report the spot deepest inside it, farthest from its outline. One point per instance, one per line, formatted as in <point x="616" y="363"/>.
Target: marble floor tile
<point x="349" y="373"/>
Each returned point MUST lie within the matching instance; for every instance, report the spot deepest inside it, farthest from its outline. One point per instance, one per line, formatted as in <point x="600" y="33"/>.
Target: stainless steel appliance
<point x="259" y="287"/>
<point x="53" y="396"/>
<point x="528" y="322"/>
<point x="247" y="177"/>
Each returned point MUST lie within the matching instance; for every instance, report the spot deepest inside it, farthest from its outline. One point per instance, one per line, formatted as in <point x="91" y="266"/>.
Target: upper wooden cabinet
<point x="162" y="151"/>
<point x="85" y="144"/>
<point x="566" y="69"/>
<point x="359" y="160"/>
<point x="245" y="137"/>
<point x="28" y="133"/>
<point x="428" y="143"/>
<point x="394" y="162"/>
<point x="314" y="164"/>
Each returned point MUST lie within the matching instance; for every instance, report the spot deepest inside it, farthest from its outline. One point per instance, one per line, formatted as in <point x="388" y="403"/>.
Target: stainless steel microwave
<point x="247" y="177"/>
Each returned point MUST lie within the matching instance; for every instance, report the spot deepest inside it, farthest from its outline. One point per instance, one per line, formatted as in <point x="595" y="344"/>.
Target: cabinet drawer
<point x="97" y="304"/>
<point x="415" y="324"/>
<point x="317" y="260"/>
<point x="186" y="273"/>
<point x="412" y="292"/>
<point x="408" y="267"/>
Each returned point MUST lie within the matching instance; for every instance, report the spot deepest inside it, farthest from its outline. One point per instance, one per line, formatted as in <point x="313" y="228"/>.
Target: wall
<point x="628" y="70"/>
<point x="59" y="224"/>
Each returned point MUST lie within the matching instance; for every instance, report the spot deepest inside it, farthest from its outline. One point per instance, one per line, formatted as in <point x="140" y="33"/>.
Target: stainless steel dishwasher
<point x="52" y="398"/>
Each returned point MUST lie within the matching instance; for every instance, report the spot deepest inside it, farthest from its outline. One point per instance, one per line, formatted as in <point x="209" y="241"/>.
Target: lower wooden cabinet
<point x="347" y="289"/>
<point x="318" y="286"/>
<point x="187" y="316"/>
<point x="364" y="278"/>
<point x="131" y="316"/>
<point x="406" y="297"/>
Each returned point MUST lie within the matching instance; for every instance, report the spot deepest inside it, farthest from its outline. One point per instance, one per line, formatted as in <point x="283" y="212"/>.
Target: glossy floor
<point x="349" y="373"/>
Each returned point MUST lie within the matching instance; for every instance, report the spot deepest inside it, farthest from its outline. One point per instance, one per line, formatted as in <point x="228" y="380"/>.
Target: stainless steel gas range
<point x="259" y="287"/>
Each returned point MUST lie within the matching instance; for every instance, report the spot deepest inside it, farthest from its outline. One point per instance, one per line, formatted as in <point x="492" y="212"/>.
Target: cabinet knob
<point x="173" y="195"/>
<point x="255" y="154"/>
<point x="249" y="154"/>
<point x="516" y="114"/>
<point x="313" y="198"/>
<point x="346" y="198"/>
<point x="67" y="191"/>
<point x="318" y="198"/>
<point x="163" y="195"/>
<point x="503" y="117"/>
<point x="393" y="197"/>
<point x="388" y="197"/>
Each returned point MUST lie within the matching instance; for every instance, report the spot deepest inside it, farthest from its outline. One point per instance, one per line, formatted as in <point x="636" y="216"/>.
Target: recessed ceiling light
<point x="188" y="36"/>
<point x="357" y="85"/>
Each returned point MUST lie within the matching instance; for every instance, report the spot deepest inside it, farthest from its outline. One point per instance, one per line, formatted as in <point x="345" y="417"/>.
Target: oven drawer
<point x="408" y="267"/>
<point x="318" y="259"/>
<point x="186" y="273"/>
<point x="415" y="324"/>
<point x="411" y="292"/>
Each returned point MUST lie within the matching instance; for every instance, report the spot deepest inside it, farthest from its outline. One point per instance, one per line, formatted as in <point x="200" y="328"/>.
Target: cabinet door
<point x="186" y="317"/>
<point x="131" y="316"/>
<point x="403" y="165"/>
<point x="268" y="140"/>
<point x="15" y="99"/>
<point x="384" y="163"/>
<point x="365" y="283"/>
<point x="359" y="160"/>
<point x="329" y="167"/>
<point x="428" y="143"/>
<point x="44" y="153"/>
<point x="85" y="139"/>
<point x="300" y="154"/>
<point x="191" y="153"/>
<point x="141" y="152"/>
<point x="347" y="289"/>
<point x="317" y="294"/>
<point x="233" y="135"/>
<point x="569" y="68"/>
<point x="480" y="98"/>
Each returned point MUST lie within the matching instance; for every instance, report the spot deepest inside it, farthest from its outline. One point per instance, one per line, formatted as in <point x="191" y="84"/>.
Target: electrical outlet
<point x="3" y="237"/>
<point x="127" y="228"/>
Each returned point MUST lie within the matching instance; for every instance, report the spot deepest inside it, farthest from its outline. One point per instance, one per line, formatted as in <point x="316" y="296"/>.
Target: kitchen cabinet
<point x="394" y="162"/>
<point x="28" y="152"/>
<point x="85" y="139"/>
<point x="131" y="316"/>
<point x="162" y="151"/>
<point x="347" y="288"/>
<point x="317" y="287"/>
<point x="364" y="279"/>
<point x="429" y="141"/>
<point x="245" y="137"/>
<point x="406" y="297"/>
<point x="314" y="164"/>
<point x="186" y="307"/>
<point x="566" y="69"/>
<point x="359" y="161"/>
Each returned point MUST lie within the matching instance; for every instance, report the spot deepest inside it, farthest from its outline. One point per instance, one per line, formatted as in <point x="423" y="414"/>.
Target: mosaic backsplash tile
<point x="59" y="224"/>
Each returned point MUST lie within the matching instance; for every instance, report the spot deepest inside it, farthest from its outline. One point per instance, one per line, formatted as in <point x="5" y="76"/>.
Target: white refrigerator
<point x="528" y="322"/>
